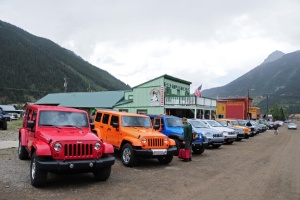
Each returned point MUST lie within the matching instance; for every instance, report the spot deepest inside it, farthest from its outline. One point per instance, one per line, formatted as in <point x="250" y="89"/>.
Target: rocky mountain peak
<point x="273" y="56"/>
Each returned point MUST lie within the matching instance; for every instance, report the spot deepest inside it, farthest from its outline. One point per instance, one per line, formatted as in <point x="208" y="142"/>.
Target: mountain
<point x="278" y="79"/>
<point x="273" y="56"/>
<point x="31" y="67"/>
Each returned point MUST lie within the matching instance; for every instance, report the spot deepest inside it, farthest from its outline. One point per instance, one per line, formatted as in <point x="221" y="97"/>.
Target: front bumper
<point x="75" y="165"/>
<point x="215" y="141"/>
<point x="229" y="139"/>
<point x="199" y="144"/>
<point x="155" y="152"/>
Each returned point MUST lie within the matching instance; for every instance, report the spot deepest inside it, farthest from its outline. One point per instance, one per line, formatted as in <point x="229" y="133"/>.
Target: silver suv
<point x="229" y="134"/>
<point x="214" y="137"/>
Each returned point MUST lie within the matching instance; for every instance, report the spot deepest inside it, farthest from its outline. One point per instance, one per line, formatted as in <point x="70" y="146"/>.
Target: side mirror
<point x="30" y="124"/>
<point x="92" y="126"/>
<point x="115" y="124"/>
<point x="156" y="126"/>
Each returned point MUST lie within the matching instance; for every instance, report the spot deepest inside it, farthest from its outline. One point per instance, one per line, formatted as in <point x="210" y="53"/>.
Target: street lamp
<point x="248" y="113"/>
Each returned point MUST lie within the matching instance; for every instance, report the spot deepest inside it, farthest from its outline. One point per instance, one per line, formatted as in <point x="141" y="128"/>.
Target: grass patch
<point x="16" y="123"/>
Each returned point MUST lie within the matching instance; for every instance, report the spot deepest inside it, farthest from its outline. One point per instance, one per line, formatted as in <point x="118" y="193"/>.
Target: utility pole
<point x="248" y="113"/>
<point x="267" y="105"/>
<point x="248" y="106"/>
<point x="65" y="83"/>
<point x="89" y="88"/>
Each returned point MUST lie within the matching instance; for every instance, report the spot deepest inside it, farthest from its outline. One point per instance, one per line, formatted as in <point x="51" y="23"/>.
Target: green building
<point x="166" y="95"/>
<point x="162" y="95"/>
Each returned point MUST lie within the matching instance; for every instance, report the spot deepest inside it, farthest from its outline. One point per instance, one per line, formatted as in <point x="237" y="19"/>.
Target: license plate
<point x="159" y="152"/>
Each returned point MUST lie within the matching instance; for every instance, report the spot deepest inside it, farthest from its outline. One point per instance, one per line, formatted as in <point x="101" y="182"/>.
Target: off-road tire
<point x="239" y="139"/>
<point x="127" y="155"/>
<point x="22" y="152"/>
<point x="166" y="159"/>
<point x="216" y="145"/>
<point x="229" y="142"/>
<point x="4" y="125"/>
<point x="102" y="174"/>
<point x="38" y="177"/>
<point x="177" y="142"/>
<point x="199" y="151"/>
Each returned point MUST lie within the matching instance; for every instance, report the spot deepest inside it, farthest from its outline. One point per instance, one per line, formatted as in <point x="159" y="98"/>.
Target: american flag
<point x="198" y="91"/>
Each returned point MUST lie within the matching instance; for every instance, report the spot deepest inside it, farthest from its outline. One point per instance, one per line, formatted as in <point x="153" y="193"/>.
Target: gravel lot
<point x="262" y="167"/>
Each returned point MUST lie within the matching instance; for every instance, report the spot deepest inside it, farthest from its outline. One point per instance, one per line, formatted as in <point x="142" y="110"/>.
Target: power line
<point x="25" y="90"/>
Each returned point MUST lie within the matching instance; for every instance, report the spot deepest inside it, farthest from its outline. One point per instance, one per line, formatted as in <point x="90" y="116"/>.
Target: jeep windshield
<point x="136" y="121"/>
<point x="198" y="124"/>
<point x="60" y="118"/>
<point x="174" y="122"/>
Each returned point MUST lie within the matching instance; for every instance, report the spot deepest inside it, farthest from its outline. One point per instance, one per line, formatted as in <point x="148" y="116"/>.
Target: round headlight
<point x="57" y="146"/>
<point x="144" y="140"/>
<point x="166" y="140"/>
<point x="97" y="146"/>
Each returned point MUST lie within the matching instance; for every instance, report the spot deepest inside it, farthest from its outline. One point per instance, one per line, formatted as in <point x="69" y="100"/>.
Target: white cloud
<point x="204" y="42"/>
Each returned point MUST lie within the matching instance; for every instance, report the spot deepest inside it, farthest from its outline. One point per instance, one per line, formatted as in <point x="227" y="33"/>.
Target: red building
<point x="236" y="107"/>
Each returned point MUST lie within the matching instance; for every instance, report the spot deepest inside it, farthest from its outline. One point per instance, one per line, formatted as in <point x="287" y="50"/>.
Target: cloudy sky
<point x="208" y="42"/>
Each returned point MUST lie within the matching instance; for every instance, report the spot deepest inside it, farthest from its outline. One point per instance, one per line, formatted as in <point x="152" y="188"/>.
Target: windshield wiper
<point x="49" y="125"/>
<point x="78" y="127"/>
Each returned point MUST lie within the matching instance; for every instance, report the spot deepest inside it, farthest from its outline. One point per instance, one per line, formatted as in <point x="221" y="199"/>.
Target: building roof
<point x="234" y="99"/>
<point x="8" y="107"/>
<point x="106" y="99"/>
<point x="167" y="77"/>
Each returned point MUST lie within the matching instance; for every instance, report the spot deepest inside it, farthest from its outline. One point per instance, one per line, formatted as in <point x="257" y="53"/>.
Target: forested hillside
<point x="278" y="80"/>
<point x="31" y="67"/>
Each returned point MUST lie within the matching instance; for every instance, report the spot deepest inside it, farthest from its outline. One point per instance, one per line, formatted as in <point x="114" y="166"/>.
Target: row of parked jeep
<point x="64" y="140"/>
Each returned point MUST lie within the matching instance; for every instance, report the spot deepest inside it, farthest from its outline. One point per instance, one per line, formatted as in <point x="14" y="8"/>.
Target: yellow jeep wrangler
<point x="134" y="136"/>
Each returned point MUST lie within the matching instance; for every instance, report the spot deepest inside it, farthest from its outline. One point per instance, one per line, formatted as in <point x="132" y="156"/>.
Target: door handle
<point x="108" y="129"/>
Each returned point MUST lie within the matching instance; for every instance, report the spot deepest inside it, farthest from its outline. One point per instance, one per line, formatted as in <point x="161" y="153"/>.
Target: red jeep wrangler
<point x="59" y="140"/>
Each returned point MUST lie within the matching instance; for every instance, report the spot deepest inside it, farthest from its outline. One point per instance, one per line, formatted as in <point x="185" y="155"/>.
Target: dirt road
<point x="263" y="167"/>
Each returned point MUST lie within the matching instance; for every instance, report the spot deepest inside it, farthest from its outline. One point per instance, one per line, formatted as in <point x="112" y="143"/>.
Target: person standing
<point x="276" y="128"/>
<point x="187" y="137"/>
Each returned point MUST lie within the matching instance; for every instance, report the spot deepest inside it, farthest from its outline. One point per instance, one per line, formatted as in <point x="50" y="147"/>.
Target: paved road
<point x="263" y="167"/>
<point x="8" y="144"/>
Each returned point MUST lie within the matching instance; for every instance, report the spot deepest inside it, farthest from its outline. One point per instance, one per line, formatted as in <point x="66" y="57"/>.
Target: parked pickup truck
<point x="134" y="136"/>
<point x="214" y="137"/>
<point x="60" y="140"/>
<point x="172" y="127"/>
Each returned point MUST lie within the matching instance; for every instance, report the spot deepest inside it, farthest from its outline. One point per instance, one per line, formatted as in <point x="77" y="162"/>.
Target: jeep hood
<point x="69" y="133"/>
<point x="175" y="129"/>
<point x="142" y="131"/>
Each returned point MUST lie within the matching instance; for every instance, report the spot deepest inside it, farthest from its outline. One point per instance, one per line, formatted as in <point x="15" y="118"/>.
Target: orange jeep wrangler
<point x="133" y="135"/>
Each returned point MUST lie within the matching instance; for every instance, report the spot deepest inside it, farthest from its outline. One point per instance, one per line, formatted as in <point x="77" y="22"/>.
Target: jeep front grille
<point x="155" y="142"/>
<point x="78" y="150"/>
